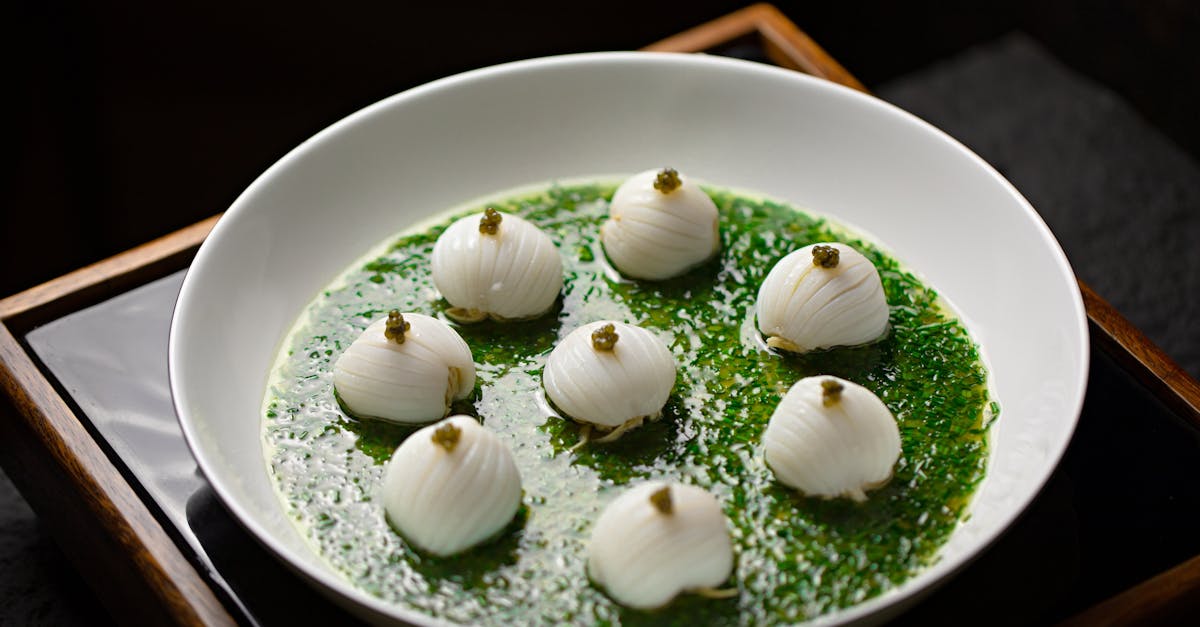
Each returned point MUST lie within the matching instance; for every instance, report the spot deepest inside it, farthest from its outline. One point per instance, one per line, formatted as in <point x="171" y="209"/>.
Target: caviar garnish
<point x="825" y="256"/>
<point x="396" y="327"/>
<point x="490" y="222"/>
<point x="926" y="370"/>
<point x="667" y="180"/>
<point x="605" y="338"/>
<point x="446" y="436"/>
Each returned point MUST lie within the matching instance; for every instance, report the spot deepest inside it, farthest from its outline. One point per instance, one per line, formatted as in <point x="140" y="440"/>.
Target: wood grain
<point x="1142" y="358"/>
<point x="104" y="279"/>
<point x="790" y="47"/>
<point x="99" y="521"/>
<point x="95" y="515"/>
<point x="785" y="44"/>
<point x="1170" y="598"/>
<point x="138" y="571"/>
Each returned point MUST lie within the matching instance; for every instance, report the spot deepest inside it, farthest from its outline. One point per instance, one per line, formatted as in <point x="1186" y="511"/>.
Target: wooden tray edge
<point x="785" y="43"/>
<point x="87" y="485"/>
<point x="1142" y="358"/>
<point x="106" y="278"/>
<point x="1165" y="595"/>
<point x="790" y="47"/>
<point x="134" y="566"/>
<point x="1164" y="599"/>
<point x="99" y="520"/>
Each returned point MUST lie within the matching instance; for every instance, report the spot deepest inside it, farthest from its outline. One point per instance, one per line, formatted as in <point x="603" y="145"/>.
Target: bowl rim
<point x="923" y="582"/>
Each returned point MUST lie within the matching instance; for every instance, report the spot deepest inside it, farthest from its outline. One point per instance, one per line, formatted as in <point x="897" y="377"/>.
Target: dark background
<point x="134" y="119"/>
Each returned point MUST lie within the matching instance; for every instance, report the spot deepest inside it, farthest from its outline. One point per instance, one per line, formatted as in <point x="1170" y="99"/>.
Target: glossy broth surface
<point x="796" y="557"/>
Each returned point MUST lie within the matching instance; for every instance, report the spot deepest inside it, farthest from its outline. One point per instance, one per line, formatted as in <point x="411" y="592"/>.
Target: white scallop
<point x="513" y="274"/>
<point x="446" y="502"/>
<point x="409" y="383"/>
<point x="655" y="236"/>
<point x="841" y="450"/>
<point x="643" y="557"/>
<point x="610" y="388"/>
<point x="803" y="307"/>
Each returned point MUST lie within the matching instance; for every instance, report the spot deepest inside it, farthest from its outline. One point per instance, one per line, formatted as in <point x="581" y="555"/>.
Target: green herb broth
<point x="796" y="557"/>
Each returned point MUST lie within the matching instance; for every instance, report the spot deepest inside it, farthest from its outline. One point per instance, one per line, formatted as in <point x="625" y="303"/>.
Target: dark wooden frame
<point x="140" y="573"/>
<point x="95" y="515"/>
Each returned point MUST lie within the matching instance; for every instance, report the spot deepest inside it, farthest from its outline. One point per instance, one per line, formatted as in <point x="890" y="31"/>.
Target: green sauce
<point x="796" y="557"/>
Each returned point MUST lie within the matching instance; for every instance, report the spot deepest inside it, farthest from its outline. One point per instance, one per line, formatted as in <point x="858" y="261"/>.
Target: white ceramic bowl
<point x="940" y="208"/>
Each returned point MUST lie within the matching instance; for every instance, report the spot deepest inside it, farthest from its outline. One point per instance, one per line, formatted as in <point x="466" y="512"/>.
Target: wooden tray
<point x="139" y="569"/>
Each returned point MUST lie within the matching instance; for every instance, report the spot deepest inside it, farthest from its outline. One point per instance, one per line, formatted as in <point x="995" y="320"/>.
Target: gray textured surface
<point x="37" y="584"/>
<point x="1123" y="200"/>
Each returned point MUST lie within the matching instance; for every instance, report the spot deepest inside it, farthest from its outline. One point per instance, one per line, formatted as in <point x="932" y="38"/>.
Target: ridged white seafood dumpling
<point x="830" y="437"/>
<point x="658" y="540"/>
<point x="451" y="486"/>
<point x="610" y="375"/>
<point x="496" y="265"/>
<point x="405" y="368"/>
<point x="822" y="296"/>
<point x="660" y="225"/>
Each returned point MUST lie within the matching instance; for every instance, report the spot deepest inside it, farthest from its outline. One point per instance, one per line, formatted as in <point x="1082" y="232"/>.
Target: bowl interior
<point x="937" y="206"/>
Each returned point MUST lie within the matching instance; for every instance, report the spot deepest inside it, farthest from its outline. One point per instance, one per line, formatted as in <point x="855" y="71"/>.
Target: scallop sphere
<point x="451" y="486"/>
<point x="660" y="225"/>
<point x="406" y="368"/>
<point x="822" y="296"/>
<point x="830" y="437"/>
<point x="496" y="265"/>
<point x="609" y="373"/>
<point x="657" y="540"/>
